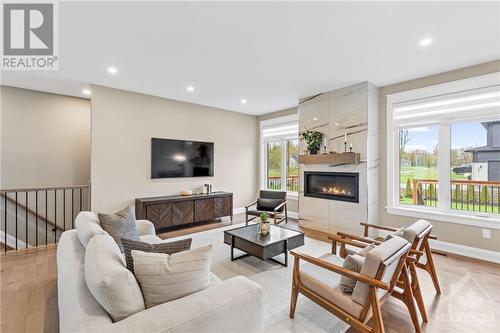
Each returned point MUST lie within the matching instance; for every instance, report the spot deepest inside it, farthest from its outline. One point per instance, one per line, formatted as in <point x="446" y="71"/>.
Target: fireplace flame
<point x="335" y="190"/>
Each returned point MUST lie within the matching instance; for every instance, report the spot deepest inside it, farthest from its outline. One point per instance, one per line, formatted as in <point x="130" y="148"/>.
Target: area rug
<point x="276" y="282"/>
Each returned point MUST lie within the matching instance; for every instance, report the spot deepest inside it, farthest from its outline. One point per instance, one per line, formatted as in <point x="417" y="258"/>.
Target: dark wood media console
<point x="178" y="210"/>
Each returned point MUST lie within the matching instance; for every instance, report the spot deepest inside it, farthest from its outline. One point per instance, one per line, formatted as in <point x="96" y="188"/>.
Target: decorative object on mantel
<point x="345" y="142"/>
<point x="350" y="148"/>
<point x="331" y="159"/>
<point x="186" y="192"/>
<point x="264" y="224"/>
<point x="325" y="145"/>
<point x="313" y="140"/>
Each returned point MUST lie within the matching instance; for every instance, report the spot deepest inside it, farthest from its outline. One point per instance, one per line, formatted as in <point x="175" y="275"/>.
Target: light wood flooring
<point x="470" y="301"/>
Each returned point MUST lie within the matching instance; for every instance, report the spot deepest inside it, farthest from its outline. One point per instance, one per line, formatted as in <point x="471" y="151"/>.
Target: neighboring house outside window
<point x="444" y="152"/>
<point x="280" y="154"/>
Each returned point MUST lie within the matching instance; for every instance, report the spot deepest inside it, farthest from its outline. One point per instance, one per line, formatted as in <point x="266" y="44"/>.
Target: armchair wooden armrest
<point x="250" y="205"/>
<point x="279" y="206"/>
<point x="376" y="226"/>
<point x="343" y="242"/>
<point x="359" y="238"/>
<point x="341" y="270"/>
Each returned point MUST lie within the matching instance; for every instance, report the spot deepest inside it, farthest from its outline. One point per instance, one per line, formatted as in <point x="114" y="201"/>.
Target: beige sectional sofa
<point x="233" y="305"/>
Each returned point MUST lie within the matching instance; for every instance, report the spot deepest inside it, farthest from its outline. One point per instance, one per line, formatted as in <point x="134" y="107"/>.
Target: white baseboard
<point x="11" y="241"/>
<point x="462" y="250"/>
<point x="241" y="210"/>
<point x="466" y="251"/>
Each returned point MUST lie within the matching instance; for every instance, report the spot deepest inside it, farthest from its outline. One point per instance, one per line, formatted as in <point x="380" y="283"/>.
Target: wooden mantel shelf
<point x="330" y="159"/>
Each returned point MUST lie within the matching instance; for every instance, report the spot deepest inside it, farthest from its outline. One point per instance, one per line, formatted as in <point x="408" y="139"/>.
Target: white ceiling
<point x="268" y="53"/>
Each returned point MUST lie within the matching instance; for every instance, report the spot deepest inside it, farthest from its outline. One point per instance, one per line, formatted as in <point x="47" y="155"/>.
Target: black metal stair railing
<point x="33" y="217"/>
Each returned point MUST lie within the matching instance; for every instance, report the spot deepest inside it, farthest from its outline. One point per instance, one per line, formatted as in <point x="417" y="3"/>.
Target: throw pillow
<point x="164" y="277"/>
<point x="269" y="204"/>
<point x="87" y="226"/>
<point x="167" y="248"/>
<point x="364" y="251"/>
<point x="353" y="263"/>
<point x="120" y="225"/>
<point x="109" y="281"/>
<point x="398" y="233"/>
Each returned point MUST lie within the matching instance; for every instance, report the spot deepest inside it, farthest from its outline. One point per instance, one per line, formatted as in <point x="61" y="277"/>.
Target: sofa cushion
<point x="164" y="277"/>
<point x="167" y="248"/>
<point x="87" y="226"/>
<point x="120" y="225"/>
<point x="353" y="263"/>
<point x="109" y="281"/>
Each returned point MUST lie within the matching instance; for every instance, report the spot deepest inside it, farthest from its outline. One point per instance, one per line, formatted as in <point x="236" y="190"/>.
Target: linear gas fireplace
<point x="343" y="186"/>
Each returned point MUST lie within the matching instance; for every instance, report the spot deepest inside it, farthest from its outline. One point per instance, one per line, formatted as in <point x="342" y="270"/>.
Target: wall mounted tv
<point x="179" y="158"/>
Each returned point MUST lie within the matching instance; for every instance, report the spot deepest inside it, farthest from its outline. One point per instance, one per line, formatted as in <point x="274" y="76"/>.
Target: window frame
<point x="443" y="211"/>
<point x="284" y="148"/>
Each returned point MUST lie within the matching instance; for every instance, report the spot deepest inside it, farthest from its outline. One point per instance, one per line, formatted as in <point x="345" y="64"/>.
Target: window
<point x="444" y="152"/>
<point x="418" y="166"/>
<point x="280" y="149"/>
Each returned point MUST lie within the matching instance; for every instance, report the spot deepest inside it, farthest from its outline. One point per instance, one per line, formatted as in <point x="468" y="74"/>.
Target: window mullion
<point x="283" y="164"/>
<point x="444" y="175"/>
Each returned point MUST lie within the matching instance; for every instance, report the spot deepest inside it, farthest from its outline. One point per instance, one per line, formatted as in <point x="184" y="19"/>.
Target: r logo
<point x="28" y="29"/>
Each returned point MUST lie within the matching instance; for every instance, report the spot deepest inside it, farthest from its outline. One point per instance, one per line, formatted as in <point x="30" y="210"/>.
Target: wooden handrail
<point x="458" y="181"/>
<point x="51" y="188"/>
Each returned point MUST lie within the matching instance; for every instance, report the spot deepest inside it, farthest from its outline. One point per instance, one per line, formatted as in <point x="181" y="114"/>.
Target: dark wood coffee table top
<point x="279" y="240"/>
<point x="276" y="234"/>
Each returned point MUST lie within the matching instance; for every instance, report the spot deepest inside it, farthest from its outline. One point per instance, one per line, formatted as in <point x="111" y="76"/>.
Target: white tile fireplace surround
<point x="353" y="111"/>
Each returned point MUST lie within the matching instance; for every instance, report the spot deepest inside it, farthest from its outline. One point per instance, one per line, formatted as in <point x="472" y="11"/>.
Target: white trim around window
<point x="442" y="212"/>
<point x="290" y="119"/>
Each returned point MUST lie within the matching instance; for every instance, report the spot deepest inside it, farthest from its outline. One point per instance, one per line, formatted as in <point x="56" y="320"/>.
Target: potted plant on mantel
<point x="313" y="141"/>
<point x="265" y="224"/>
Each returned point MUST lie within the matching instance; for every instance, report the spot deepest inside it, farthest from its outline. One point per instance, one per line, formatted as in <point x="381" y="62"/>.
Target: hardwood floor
<point x="470" y="301"/>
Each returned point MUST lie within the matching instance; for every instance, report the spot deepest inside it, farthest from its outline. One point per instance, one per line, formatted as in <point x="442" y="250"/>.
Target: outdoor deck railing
<point x="292" y="183"/>
<point x="468" y="195"/>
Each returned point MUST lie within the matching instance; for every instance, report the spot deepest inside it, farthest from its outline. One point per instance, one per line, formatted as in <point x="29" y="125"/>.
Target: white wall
<point x="45" y="139"/>
<point x="123" y="124"/>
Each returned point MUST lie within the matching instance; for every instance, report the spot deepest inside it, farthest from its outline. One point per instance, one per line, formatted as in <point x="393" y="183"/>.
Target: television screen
<point x="179" y="158"/>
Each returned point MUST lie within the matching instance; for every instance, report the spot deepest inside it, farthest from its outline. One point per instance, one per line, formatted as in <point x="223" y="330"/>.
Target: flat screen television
<point x="179" y="158"/>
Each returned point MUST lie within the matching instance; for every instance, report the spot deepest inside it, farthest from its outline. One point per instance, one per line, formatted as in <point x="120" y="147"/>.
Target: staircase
<point x="32" y="217"/>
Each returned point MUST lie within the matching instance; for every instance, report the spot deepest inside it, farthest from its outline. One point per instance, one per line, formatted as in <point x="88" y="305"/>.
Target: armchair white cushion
<point x="326" y="284"/>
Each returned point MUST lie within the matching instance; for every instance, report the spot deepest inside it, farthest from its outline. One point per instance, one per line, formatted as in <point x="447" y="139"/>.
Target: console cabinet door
<point x="203" y="210"/>
<point x="222" y="206"/>
<point x="159" y="214"/>
<point x="182" y="212"/>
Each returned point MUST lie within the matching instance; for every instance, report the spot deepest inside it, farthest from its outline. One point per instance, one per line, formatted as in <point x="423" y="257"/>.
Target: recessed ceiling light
<point x="426" y="41"/>
<point x="315" y="118"/>
<point x="337" y="124"/>
<point x="112" y="70"/>
<point x="190" y="88"/>
<point x="87" y="92"/>
<point x="243" y="101"/>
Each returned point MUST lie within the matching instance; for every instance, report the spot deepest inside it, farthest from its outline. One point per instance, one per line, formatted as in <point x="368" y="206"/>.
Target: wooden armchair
<point x="383" y="268"/>
<point x="271" y="202"/>
<point x="417" y="234"/>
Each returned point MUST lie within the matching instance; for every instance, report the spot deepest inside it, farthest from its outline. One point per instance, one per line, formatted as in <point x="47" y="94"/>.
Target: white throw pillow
<point x="109" y="281"/>
<point x="164" y="277"/>
<point x="87" y="226"/>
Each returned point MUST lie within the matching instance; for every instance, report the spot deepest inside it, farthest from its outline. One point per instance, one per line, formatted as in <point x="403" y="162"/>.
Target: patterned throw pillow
<point x="353" y="263"/>
<point x="120" y="225"/>
<point x="167" y="248"/>
<point x="164" y="278"/>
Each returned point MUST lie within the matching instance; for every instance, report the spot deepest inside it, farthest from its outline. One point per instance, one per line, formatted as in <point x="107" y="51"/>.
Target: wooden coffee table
<point x="279" y="240"/>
